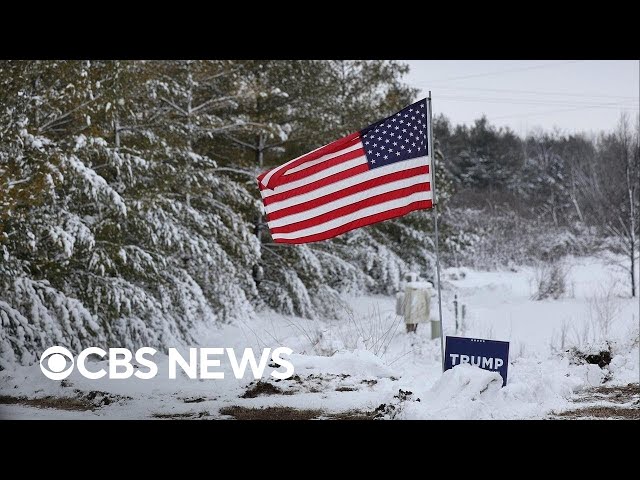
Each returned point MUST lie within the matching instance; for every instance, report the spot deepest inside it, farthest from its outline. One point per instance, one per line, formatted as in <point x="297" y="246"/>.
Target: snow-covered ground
<point x="358" y="364"/>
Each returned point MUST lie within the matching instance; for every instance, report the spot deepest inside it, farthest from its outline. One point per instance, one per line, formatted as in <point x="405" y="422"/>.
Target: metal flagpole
<point x="435" y="209"/>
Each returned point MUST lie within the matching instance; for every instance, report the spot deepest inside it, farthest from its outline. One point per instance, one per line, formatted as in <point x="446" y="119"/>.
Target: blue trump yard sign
<point x="487" y="354"/>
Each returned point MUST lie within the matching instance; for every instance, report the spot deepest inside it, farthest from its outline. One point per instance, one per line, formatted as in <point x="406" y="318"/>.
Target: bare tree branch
<point x="235" y="170"/>
<point x="211" y="101"/>
<point x="176" y="107"/>
<point x="56" y="120"/>
<point x="240" y="142"/>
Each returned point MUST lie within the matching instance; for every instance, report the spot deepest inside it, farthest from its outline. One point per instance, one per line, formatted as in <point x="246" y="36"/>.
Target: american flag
<point x="381" y="172"/>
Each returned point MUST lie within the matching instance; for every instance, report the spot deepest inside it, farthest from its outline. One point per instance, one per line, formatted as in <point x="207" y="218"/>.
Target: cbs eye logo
<point x="56" y="364"/>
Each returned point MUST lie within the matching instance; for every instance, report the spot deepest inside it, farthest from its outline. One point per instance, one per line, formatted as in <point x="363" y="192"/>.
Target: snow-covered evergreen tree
<point x="129" y="210"/>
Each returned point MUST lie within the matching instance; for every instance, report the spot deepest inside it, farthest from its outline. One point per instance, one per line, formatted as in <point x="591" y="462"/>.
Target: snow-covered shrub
<point x="559" y="340"/>
<point x="550" y="281"/>
<point x="395" y="408"/>
<point x="604" y="309"/>
<point x="489" y="239"/>
<point x="373" y="332"/>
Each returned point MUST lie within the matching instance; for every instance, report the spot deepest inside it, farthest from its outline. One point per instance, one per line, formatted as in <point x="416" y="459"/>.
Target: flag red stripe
<point x="360" y="222"/>
<point x="351" y="209"/>
<point x="317" y="184"/>
<point x="292" y="177"/>
<point x="345" y="192"/>
<point x="344" y="142"/>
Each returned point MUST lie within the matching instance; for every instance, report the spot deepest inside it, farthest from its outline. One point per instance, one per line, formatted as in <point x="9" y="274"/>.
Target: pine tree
<point x="129" y="206"/>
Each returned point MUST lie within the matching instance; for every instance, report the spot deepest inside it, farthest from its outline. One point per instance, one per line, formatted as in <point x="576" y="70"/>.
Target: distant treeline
<point x="550" y="178"/>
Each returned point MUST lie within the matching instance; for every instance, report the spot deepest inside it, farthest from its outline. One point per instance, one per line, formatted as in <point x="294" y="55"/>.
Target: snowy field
<point x="350" y="368"/>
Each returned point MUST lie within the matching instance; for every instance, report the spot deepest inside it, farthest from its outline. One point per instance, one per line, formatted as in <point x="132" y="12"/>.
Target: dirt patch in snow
<point x="346" y="389"/>
<point x="263" y="388"/>
<point x="289" y="413"/>
<point x="194" y="399"/>
<point x="618" y="394"/>
<point x="612" y="413"/>
<point x="601" y="358"/>
<point x="59" y="403"/>
<point x="100" y="399"/>
<point x="180" y="416"/>
<point x="269" y="413"/>
<point x="318" y="383"/>
<point x="351" y="415"/>
<point x="83" y="401"/>
<point x="619" y="402"/>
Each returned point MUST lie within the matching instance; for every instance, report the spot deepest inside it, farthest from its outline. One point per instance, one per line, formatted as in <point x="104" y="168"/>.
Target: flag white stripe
<point x="354" y="198"/>
<point x="364" y="212"/>
<point x="324" y="158"/>
<point x="327" y="172"/>
<point x="347" y="182"/>
<point x="270" y="174"/>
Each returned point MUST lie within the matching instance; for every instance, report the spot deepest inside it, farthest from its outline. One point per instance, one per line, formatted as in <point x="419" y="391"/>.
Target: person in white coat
<point x="414" y="304"/>
<point x="417" y="304"/>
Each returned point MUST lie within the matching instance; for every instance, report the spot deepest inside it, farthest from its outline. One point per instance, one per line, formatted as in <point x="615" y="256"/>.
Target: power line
<point x="515" y="101"/>
<point x="621" y="104"/>
<point x="500" y="72"/>
<point x="548" y="112"/>
<point x="534" y="92"/>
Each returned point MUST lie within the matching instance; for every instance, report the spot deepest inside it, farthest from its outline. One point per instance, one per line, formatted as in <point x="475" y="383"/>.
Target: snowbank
<point x="361" y="363"/>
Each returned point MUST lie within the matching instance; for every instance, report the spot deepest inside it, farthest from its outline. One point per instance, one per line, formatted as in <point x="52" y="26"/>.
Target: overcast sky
<point x="584" y="95"/>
